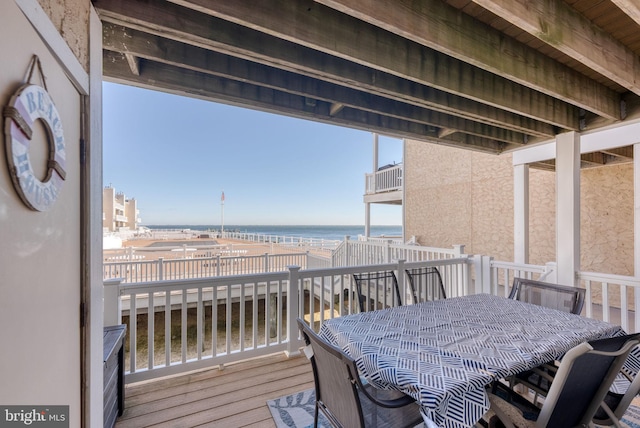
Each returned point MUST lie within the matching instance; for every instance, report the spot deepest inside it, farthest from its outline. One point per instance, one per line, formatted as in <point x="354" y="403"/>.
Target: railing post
<point x="458" y="250"/>
<point x="266" y="262"/>
<point x="347" y="250"/>
<point x="387" y="251"/>
<point x="130" y="266"/>
<point x="293" y="312"/>
<point x="486" y="274"/>
<point x="550" y="272"/>
<point x="160" y="268"/>
<point x="218" y="265"/>
<point x="111" y="305"/>
<point x="401" y="281"/>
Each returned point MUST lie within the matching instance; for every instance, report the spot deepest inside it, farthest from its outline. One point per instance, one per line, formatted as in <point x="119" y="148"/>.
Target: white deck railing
<point x="612" y="298"/>
<point x="384" y="180"/>
<point x="172" y="322"/>
<point x="360" y="252"/>
<point x="251" y="315"/>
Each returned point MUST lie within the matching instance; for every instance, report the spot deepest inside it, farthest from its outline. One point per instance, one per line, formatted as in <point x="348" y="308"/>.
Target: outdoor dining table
<point x="444" y="353"/>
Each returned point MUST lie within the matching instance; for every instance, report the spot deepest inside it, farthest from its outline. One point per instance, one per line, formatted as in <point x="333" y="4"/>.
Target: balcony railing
<point x="384" y="180"/>
<point x="183" y="324"/>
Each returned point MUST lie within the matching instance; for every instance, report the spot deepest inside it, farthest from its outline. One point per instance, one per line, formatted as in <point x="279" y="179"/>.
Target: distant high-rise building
<point x="118" y="213"/>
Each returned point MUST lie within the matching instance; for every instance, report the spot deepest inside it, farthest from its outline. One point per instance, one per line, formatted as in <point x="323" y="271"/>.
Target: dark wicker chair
<point x="425" y="284"/>
<point x="561" y="297"/>
<point x="342" y="397"/>
<point x="377" y="290"/>
<point x="583" y="379"/>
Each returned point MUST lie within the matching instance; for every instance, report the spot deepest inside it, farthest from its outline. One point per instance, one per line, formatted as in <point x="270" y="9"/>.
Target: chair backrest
<point x="334" y="374"/>
<point x="561" y="297"/>
<point x="582" y="381"/>
<point x="377" y="290"/>
<point x="628" y="381"/>
<point x="425" y="284"/>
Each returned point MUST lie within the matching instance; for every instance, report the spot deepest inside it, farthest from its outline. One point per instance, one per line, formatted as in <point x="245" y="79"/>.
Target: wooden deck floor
<point x="231" y="398"/>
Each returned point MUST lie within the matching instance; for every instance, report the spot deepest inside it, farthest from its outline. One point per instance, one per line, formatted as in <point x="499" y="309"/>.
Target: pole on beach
<point x="222" y="214"/>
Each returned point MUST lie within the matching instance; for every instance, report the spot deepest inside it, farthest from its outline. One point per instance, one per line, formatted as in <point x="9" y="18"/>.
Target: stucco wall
<point x="71" y="19"/>
<point x="443" y="187"/>
<point x="435" y="185"/>
<point x="455" y="196"/>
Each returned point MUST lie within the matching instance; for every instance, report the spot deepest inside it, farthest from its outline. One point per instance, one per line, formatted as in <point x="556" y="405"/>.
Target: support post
<point x="568" y="207"/>
<point x="521" y="213"/>
<point x="636" y="225"/>
<point x="367" y="219"/>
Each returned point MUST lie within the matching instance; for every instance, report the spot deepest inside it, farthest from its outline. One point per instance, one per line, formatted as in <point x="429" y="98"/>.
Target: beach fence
<point x="134" y="270"/>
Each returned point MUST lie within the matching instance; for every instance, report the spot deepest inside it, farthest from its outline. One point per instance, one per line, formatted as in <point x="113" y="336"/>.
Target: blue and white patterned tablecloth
<point x="444" y="353"/>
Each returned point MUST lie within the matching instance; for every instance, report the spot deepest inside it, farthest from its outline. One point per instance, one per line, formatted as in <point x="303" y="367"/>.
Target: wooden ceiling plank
<point x="557" y="24"/>
<point x="185" y="82"/>
<point x="132" y="42"/>
<point x="439" y="26"/>
<point x="323" y="29"/>
<point x="234" y="40"/>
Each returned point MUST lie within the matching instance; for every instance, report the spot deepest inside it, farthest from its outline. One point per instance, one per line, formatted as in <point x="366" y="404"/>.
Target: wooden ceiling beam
<point x="595" y="158"/>
<point x="134" y="63"/>
<point x="139" y="44"/>
<point x="185" y="82"/>
<point x="446" y="29"/>
<point x="559" y="25"/>
<point x="323" y="29"/>
<point x="621" y="152"/>
<point x="172" y="21"/>
<point x="630" y="7"/>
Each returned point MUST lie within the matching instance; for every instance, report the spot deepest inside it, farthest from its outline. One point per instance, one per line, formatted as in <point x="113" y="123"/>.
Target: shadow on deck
<point x="233" y="397"/>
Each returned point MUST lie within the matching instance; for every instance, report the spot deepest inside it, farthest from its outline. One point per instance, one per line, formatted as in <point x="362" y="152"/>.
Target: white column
<point x="404" y="191"/>
<point x="367" y="212"/>
<point x="521" y="213"/>
<point x="636" y="224"/>
<point x="568" y="207"/>
<point x="375" y="152"/>
<point x="367" y="219"/>
<point x="636" y="210"/>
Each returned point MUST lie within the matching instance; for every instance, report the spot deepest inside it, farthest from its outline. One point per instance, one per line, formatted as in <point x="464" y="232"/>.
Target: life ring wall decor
<point x="29" y="104"/>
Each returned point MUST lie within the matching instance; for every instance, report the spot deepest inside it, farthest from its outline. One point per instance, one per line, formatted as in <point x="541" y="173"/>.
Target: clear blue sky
<point x="175" y="156"/>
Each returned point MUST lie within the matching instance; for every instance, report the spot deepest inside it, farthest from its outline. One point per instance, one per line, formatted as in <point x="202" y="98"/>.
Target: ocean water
<point x="319" y="232"/>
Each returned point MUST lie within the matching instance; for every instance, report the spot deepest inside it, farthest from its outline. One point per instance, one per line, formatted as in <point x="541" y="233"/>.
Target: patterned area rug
<point x="296" y="411"/>
<point x="632" y="417"/>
